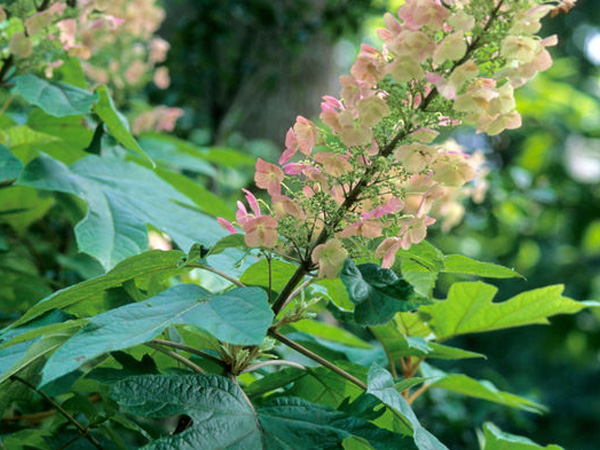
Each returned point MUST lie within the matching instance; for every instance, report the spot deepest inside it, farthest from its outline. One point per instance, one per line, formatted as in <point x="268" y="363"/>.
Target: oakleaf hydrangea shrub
<point x="220" y="328"/>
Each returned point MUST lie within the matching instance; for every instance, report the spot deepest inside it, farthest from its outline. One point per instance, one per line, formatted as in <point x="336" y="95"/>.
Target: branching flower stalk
<point x="372" y="170"/>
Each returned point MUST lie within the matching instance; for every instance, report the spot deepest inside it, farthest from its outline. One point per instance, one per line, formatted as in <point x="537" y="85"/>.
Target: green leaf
<point x="381" y="385"/>
<point x="74" y="134"/>
<point x="482" y="389"/>
<point x="240" y="316"/>
<point x="21" y="206"/>
<point x="377" y="293"/>
<point x="464" y="265"/>
<point x="273" y="381"/>
<point x="148" y="263"/>
<point x="116" y="123"/>
<point x="10" y="166"/>
<point x="122" y="197"/>
<point x="176" y="157"/>
<point x="469" y="309"/>
<point x="496" y="439"/>
<point x="320" y="385"/>
<point x="231" y="241"/>
<point x="57" y="99"/>
<point x="129" y="367"/>
<point x="29" y="334"/>
<point x="19" y="356"/>
<point x="228" y="157"/>
<point x="202" y="197"/>
<point x="332" y="333"/>
<point x="222" y="417"/>
<point x="258" y="274"/>
<point x="421" y="265"/>
<point x="397" y="344"/>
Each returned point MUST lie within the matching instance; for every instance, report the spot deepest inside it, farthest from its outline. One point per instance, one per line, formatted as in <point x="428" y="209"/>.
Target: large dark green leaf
<point x="381" y="385"/>
<point x="240" y="316"/>
<point x="223" y="419"/>
<point x="122" y="198"/>
<point x="377" y="293"/>
<point x="148" y="263"/>
<point x="57" y="99"/>
<point x="116" y="123"/>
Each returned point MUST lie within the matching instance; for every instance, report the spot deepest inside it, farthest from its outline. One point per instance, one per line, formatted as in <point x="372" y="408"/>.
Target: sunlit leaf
<point x="469" y="309"/>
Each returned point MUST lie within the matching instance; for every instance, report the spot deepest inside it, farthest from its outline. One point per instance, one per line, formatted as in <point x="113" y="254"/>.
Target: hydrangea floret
<point x="372" y="173"/>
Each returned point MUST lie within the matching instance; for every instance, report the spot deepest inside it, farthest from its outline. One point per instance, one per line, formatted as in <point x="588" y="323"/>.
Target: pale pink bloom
<point x="158" y="50"/>
<point x="368" y="67"/>
<point x="241" y="215"/>
<point x="460" y="21"/>
<point x="159" y="241"/>
<point x="300" y="168"/>
<point x="161" y="77"/>
<point x="285" y="206"/>
<point x="167" y="117"/>
<point x="356" y="135"/>
<point x="251" y="199"/>
<point x="261" y="232"/>
<point x="135" y="72"/>
<point x="392" y="28"/>
<point x="528" y="22"/>
<point x="330" y="257"/>
<point x="354" y="90"/>
<point x="520" y="48"/>
<point x="412" y="44"/>
<point x="414" y="230"/>
<point x="367" y="229"/>
<point x="330" y="109"/>
<point x="20" y="45"/>
<point x="49" y="70"/>
<point x="419" y="13"/>
<point x="227" y="225"/>
<point x="425" y="135"/>
<point x="452" y="169"/>
<point x="371" y="110"/>
<point x="334" y="165"/>
<point x="452" y="48"/>
<point x="388" y="249"/>
<point x="393" y="206"/>
<point x="67" y="28"/>
<point x="301" y="137"/>
<point x="404" y="70"/>
<point x="38" y="22"/>
<point x="415" y="157"/>
<point x="268" y="176"/>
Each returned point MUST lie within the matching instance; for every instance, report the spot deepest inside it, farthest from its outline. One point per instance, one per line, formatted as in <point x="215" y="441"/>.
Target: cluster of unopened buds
<point x="372" y="174"/>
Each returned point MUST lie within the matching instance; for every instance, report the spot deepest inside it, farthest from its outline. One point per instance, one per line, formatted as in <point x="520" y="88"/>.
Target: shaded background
<point x="244" y="69"/>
